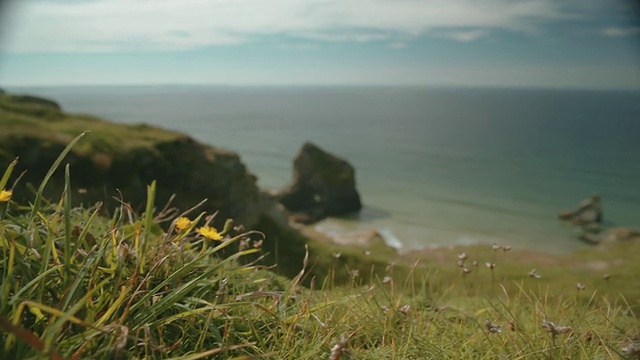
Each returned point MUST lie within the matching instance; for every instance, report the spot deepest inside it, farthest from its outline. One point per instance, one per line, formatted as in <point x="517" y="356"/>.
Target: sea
<point x="434" y="166"/>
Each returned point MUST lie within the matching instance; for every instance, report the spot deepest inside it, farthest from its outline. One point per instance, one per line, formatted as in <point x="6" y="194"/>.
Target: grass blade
<point x="26" y="336"/>
<point x="39" y="195"/>
<point x="67" y="223"/>
<point x="7" y="173"/>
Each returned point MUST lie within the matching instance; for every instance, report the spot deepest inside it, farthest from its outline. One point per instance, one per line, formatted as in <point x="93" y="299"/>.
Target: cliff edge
<point x="118" y="160"/>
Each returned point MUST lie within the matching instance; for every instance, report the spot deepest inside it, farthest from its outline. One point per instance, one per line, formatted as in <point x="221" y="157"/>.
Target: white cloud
<point x="173" y="25"/>
<point x="467" y="35"/>
<point x="620" y="31"/>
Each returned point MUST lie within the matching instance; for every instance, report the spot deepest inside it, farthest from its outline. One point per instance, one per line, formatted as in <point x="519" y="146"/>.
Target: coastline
<point x="589" y="259"/>
<point x="438" y="175"/>
<point x="441" y="253"/>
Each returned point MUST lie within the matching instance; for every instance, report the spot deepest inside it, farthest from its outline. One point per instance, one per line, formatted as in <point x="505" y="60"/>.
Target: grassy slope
<point x="186" y="300"/>
<point x="79" y="285"/>
<point x="19" y="119"/>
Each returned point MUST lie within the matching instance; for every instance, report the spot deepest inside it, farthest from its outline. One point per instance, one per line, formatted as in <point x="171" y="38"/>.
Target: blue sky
<point x="513" y="43"/>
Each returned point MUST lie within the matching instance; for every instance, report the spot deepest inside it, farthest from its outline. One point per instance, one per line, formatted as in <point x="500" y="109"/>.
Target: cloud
<point x="467" y="35"/>
<point x="175" y="25"/>
<point x="620" y="31"/>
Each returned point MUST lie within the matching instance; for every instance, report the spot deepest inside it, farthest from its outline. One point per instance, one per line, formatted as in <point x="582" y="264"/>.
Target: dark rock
<point x="323" y="185"/>
<point x="612" y="235"/>
<point x="190" y="170"/>
<point x="588" y="212"/>
<point x="588" y="217"/>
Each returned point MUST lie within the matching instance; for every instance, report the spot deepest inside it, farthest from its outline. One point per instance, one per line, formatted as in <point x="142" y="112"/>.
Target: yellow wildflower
<point x="183" y="223"/>
<point x="5" y="195"/>
<point x="210" y="233"/>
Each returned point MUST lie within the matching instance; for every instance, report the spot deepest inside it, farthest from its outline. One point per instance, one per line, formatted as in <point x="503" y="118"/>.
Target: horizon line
<point x="328" y="85"/>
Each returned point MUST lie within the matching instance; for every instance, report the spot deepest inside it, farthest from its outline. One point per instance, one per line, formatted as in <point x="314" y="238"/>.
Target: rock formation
<point x="587" y="213"/>
<point x="116" y="159"/>
<point x="588" y="216"/>
<point x="323" y="185"/>
<point x="612" y="235"/>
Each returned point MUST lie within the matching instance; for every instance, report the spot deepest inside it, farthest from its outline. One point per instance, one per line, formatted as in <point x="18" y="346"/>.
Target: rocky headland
<point x="116" y="162"/>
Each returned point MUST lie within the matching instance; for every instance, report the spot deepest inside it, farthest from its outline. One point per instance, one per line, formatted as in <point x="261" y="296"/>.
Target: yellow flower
<point x="5" y="195"/>
<point x="210" y="233"/>
<point x="183" y="223"/>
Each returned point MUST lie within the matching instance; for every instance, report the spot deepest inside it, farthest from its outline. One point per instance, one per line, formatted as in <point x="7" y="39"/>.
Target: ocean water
<point x="434" y="166"/>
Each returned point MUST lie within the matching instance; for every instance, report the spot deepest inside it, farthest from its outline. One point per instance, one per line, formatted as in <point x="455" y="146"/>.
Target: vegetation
<point x="120" y="160"/>
<point x="28" y="116"/>
<point x="76" y="284"/>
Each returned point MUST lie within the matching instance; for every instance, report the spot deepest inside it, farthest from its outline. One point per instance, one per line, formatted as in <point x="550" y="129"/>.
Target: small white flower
<point x="534" y="274"/>
<point x="493" y="328"/>
<point x="631" y="350"/>
<point x="555" y="329"/>
<point x="339" y="349"/>
<point x="405" y="309"/>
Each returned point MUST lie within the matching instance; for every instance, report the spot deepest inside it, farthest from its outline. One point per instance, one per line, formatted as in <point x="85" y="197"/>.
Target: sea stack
<point x="588" y="212"/>
<point x="323" y="185"/>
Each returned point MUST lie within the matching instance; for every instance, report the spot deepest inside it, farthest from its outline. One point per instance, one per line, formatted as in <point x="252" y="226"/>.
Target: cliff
<point x="122" y="159"/>
<point x="117" y="161"/>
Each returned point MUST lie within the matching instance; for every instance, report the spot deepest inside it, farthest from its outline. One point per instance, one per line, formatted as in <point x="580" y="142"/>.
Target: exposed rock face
<point x="184" y="167"/>
<point x="588" y="212"/>
<point x="323" y="185"/>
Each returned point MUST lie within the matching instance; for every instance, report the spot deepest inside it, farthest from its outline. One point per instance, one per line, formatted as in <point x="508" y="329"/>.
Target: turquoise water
<point x="434" y="166"/>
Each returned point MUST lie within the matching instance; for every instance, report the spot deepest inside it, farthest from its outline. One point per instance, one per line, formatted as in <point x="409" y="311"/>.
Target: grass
<point x="76" y="285"/>
<point x="41" y="121"/>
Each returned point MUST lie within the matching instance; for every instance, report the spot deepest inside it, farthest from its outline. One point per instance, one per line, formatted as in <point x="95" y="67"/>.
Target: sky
<point x="476" y="43"/>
